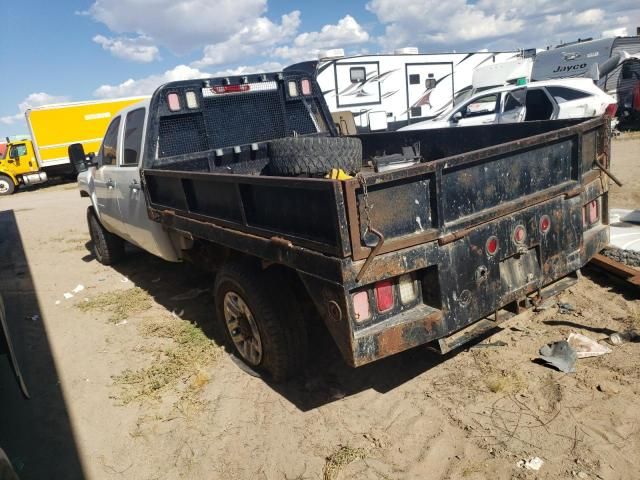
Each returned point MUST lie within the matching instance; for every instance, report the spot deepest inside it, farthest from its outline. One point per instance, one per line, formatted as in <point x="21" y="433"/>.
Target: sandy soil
<point x="128" y="389"/>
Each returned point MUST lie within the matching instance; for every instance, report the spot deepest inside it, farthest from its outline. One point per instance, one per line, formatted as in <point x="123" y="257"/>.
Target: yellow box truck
<point x="53" y="128"/>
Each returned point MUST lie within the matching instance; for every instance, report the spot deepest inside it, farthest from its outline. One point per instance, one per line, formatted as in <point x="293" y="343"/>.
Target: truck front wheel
<point x="261" y="319"/>
<point x="107" y="247"/>
<point x="7" y="186"/>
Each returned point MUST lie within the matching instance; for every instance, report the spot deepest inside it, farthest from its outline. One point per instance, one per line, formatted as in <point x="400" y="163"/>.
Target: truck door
<point x="138" y="228"/>
<point x="429" y="89"/>
<point x="104" y="181"/>
<point x="358" y="85"/>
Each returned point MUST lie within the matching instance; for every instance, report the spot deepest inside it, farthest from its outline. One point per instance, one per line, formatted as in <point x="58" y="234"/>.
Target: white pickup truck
<point x="118" y="210"/>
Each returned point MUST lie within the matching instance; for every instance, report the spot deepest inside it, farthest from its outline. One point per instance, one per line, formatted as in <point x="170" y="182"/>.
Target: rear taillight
<point x="611" y="110"/>
<point x="306" y="86"/>
<point x="407" y="288"/>
<point x="545" y="224"/>
<point x="230" y="88"/>
<point x="384" y="295"/>
<point x="492" y="245"/>
<point x="361" y="306"/>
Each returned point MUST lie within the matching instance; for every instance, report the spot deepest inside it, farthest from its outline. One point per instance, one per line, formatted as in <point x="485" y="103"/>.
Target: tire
<point x="107" y="247"/>
<point x="266" y="306"/>
<point x="314" y="156"/>
<point x="7" y="187"/>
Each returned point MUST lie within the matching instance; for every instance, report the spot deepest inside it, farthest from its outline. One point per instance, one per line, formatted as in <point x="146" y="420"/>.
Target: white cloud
<point x="147" y="85"/>
<point x="615" y="32"/>
<point x="307" y="45"/>
<point x="498" y="24"/>
<point x="179" y="25"/>
<point x="33" y="100"/>
<point x="254" y="38"/>
<point x="139" y="49"/>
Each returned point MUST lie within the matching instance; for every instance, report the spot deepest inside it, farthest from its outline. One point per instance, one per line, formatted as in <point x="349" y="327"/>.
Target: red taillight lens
<point x="230" y="88"/>
<point x="492" y="245"/>
<point x="593" y="212"/>
<point x="174" y="102"/>
<point x="361" y="306"/>
<point x="384" y="295"/>
<point x="519" y="234"/>
<point x="545" y="224"/>
<point x="306" y="86"/>
<point x="611" y="110"/>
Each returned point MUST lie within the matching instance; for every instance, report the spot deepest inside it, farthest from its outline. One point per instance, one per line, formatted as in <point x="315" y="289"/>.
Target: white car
<point x="546" y="100"/>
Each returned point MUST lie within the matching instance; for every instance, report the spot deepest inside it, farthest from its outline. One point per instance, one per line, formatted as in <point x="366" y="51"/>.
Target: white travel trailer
<point x="392" y="90"/>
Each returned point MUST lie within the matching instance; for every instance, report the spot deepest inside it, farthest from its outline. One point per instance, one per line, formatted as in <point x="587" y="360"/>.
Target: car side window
<point x="110" y="143"/>
<point x="133" y="136"/>
<point x="514" y="100"/>
<point x="481" y="106"/>
<point x="564" y="94"/>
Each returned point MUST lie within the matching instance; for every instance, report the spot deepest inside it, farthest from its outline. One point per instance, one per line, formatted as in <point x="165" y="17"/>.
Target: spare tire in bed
<point x="314" y="156"/>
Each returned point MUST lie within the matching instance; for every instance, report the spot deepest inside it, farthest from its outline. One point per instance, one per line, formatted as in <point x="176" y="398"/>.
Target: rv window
<point x="133" y="136"/>
<point x="358" y="74"/>
<point x="110" y="143"/>
<point x="481" y="106"/>
<point x="414" y="79"/>
<point x="430" y="83"/>
<point x="564" y="94"/>
<point x="416" y="111"/>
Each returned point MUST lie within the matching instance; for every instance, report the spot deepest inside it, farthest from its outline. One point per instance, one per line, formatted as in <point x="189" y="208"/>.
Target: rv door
<point x="429" y="89"/>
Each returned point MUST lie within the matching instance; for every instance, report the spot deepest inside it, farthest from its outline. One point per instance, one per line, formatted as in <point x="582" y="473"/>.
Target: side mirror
<point x="456" y="117"/>
<point x="77" y="157"/>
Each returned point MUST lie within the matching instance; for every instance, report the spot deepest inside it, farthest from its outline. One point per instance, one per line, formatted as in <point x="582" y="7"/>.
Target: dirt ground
<point x="127" y="380"/>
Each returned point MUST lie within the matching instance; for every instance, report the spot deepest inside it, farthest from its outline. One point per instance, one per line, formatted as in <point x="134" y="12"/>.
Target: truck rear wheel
<point x="261" y="320"/>
<point x="314" y="156"/>
<point x="7" y="186"/>
<point x="107" y="247"/>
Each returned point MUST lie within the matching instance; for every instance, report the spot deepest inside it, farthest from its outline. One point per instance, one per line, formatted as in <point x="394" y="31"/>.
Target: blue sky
<point x="83" y="50"/>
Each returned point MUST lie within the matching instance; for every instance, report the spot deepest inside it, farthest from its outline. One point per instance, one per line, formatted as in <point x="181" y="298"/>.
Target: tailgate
<point x="441" y="199"/>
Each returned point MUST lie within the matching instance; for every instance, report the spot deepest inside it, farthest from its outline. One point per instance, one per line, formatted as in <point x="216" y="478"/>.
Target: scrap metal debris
<point x="619" y="338"/>
<point x="565" y="307"/>
<point x="560" y="355"/>
<point x="585" y="346"/>
<point x="78" y="289"/>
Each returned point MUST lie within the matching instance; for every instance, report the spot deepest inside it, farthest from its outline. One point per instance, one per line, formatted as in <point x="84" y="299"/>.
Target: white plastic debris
<point x="57" y="302"/>
<point x="78" y="289"/>
<point x="190" y="294"/>
<point x="585" y="346"/>
<point x="156" y="280"/>
<point x="67" y="295"/>
<point x="178" y="314"/>
<point x="123" y="322"/>
<point x="534" y="463"/>
<point x="124" y="279"/>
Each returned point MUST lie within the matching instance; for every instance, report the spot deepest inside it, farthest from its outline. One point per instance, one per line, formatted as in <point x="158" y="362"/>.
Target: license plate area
<point x="520" y="270"/>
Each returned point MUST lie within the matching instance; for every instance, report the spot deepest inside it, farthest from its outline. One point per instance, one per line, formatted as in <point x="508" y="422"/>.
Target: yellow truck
<point x="53" y="128"/>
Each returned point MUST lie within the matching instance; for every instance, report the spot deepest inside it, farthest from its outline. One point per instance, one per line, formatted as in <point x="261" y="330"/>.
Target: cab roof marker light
<point x="174" y="101"/>
<point x="192" y="100"/>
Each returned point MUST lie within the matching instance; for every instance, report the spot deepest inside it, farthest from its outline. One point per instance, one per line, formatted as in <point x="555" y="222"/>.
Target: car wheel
<point x="107" y="247"/>
<point x="261" y="323"/>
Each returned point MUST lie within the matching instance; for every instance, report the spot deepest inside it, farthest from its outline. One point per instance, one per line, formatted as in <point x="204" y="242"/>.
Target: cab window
<point x="20" y="149"/>
<point x="484" y="105"/>
<point x="133" y="136"/>
<point x="110" y="143"/>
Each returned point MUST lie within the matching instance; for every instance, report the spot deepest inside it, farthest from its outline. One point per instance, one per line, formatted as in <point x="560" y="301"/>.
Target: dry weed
<point x="340" y="459"/>
<point x="120" y="304"/>
<point x="505" y="382"/>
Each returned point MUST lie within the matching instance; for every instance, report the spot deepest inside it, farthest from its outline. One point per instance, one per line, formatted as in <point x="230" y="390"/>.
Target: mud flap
<point x="7" y="347"/>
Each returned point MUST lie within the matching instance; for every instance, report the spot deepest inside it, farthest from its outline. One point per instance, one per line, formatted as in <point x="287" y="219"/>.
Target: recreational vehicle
<point x="388" y="91"/>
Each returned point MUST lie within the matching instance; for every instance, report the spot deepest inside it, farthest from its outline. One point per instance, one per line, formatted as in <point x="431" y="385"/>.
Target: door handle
<point x="109" y="183"/>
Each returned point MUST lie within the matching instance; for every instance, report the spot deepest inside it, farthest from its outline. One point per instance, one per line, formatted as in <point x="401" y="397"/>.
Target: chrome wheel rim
<point x="4" y="186"/>
<point x="242" y="328"/>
